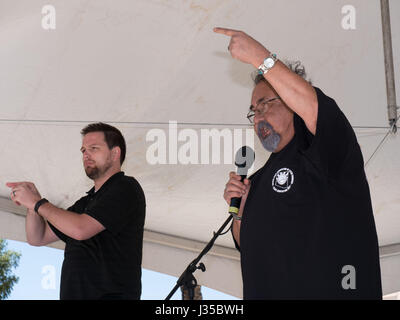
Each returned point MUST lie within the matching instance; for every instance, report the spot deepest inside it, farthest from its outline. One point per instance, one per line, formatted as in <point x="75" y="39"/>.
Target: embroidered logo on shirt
<point x="282" y="180"/>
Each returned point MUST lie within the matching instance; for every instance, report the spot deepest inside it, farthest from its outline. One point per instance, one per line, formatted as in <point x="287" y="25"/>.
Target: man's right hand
<point x="236" y="188"/>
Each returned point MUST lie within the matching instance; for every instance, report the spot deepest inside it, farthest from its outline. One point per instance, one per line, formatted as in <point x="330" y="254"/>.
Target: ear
<point x="116" y="153"/>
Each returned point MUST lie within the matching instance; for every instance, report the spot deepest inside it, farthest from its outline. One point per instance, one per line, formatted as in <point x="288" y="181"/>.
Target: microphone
<point x="244" y="159"/>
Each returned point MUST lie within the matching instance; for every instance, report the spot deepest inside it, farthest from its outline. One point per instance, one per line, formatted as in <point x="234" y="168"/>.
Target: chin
<point x="91" y="172"/>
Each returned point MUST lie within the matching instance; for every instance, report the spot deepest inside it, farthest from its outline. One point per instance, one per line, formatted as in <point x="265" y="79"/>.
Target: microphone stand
<point x="187" y="277"/>
<point x="243" y="160"/>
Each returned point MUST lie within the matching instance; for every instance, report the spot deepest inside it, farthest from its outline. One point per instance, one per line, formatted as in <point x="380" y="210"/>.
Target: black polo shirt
<point x="308" y="230"/>
<point x="108" y="265"/>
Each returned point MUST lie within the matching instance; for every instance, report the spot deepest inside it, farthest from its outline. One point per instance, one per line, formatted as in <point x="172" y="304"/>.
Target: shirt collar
<point x="112" y="178"/>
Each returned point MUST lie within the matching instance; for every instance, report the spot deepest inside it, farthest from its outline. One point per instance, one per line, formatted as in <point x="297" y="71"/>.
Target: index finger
<point x="233" y="174"/>
<point x="225" y="31"/>
<point x="11" y="184"/>
<point x="14" y="184"/>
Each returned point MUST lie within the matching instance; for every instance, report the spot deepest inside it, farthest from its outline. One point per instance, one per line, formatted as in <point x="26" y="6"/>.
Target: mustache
<point x="86" y="162"/>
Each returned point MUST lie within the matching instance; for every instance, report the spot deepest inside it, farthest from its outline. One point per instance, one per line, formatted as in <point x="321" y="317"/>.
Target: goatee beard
<point x="92" y="172"/>
<point x="96" y="172"/>
<point x="268" y="136"/>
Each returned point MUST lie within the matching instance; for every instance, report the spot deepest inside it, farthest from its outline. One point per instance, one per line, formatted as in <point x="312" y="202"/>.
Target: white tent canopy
<point x="140" y="65"/>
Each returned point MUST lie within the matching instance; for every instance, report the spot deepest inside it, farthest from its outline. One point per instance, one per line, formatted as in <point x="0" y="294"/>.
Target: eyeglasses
<point x="260" y="109"/>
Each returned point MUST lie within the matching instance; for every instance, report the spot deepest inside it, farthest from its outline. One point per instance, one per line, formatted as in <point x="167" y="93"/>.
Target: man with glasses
<point x="305" y="228"/>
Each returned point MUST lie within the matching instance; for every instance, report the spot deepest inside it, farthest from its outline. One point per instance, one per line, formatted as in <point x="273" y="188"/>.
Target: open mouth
<point x="268" y="137"/>
<point x="264" y="132"/>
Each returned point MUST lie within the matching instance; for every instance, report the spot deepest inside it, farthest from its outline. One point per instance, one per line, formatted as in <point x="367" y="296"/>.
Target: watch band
<point x="264" y="68"/>
<point x="39" y="203"/>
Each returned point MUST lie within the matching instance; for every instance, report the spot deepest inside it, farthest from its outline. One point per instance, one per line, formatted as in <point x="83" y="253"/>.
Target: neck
<point x="98" y="182"/>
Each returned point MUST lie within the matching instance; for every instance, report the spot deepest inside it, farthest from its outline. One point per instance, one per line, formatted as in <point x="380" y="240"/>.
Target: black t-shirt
<point x="308" y="230"/>
<point x="108" y="265"/>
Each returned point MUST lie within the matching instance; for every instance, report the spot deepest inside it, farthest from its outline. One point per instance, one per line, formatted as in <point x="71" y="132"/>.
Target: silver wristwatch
<point x="268" y="63"/>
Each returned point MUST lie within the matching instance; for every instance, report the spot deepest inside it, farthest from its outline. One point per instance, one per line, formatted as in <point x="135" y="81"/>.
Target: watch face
<point x="269" y="63"/>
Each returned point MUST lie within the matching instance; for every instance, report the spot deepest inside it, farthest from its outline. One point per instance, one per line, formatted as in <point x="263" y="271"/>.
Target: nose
<point x="86" y="155"/>
<point x="257" y="119"/>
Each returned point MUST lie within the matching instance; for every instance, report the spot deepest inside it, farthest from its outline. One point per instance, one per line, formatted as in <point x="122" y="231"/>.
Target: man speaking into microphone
<point x="305" y="227"/>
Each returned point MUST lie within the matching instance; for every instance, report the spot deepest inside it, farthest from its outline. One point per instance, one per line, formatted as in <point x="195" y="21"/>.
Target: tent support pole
<point x="389" y="68"/>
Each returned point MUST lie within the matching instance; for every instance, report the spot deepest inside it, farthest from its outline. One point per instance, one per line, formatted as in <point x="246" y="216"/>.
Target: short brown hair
<point x="112" y="136"/>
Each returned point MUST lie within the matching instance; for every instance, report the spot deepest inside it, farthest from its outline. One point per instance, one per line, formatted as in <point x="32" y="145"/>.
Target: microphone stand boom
<point x="187" y="277"/>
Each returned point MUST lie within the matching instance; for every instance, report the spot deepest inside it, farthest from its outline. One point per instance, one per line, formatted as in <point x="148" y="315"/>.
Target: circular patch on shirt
<point x="282" y="180"/>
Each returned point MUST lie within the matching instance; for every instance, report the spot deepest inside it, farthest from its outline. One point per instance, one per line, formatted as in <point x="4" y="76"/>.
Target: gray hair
<point x="293" y="65"/>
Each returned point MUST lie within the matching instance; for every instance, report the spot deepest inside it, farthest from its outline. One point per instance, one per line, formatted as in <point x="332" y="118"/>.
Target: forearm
<point x="296" y="92"/>
<point x="67" y="222"/>
<point x="34" y="227"/>
<point x="236" y="231"/>
<point x="237" y="223"/>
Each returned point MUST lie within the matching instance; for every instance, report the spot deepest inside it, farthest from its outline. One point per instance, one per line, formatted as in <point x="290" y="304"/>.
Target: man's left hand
<point x="24" y="193"/>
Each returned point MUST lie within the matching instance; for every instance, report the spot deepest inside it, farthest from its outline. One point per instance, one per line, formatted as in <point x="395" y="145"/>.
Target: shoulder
<point x="130" y="181"/>
<point x="330" y="116"/>
<point x="326" y="104"/>
<point x="131" y="185"/>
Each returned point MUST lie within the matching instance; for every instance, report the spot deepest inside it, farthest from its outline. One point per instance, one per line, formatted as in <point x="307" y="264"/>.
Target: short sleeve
<point x="118" y="205"/>
<point x="334" y="139"/>
<point x="63" y="237"/>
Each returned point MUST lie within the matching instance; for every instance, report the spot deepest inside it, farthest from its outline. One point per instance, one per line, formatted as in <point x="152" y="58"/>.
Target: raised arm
<point x="296" y="92"/>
